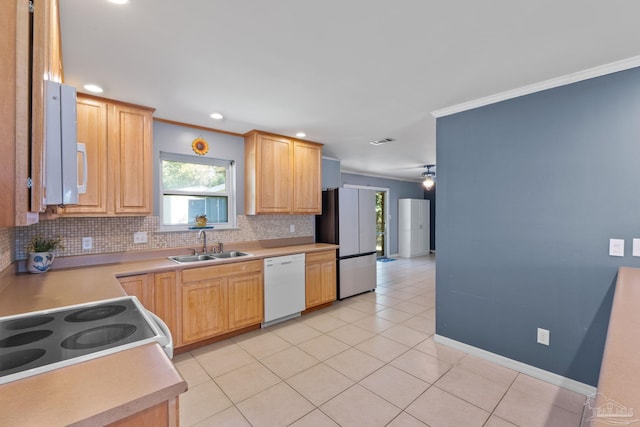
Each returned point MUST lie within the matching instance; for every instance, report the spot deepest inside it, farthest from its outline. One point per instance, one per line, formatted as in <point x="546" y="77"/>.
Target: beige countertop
<point x="112" y="387"/>
<point x="93" y="393"/>
<point x="75" y="285"/>
<point x="619" y="382"/>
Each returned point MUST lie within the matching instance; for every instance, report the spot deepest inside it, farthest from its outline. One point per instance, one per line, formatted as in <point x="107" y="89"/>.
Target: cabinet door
<point x="92" y="132"/>
<point x="313" y="284"/>
<point x="320" y="278"/>
<point x="245" y="300"/>
<point x="130" y="159"/>
<point x="307" y="175"/>
<point x="204" y="310"/>
<point x="329" y="276"/>
<point x="165" y="300"/>
<point x="139" y="287"/>
<point x="274" y="175"/>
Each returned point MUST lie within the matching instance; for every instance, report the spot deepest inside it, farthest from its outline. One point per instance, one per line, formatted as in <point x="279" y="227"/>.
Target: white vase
<point x="39" y="262"/>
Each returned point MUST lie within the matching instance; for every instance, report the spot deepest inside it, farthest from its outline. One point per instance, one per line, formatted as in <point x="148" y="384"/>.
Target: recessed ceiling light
<point x="301" y="134"/>
<point x="93" y="88"/>
<point x="119" y="1"/>
<point x="217" y="116"/>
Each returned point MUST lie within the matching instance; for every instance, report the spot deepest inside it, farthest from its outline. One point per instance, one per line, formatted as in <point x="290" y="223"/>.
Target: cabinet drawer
<point x="312" y="257"/>
<point x="203" y="273"/>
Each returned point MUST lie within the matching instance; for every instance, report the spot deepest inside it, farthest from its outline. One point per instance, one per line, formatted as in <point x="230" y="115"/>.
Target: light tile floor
<point x="369" y="360"/>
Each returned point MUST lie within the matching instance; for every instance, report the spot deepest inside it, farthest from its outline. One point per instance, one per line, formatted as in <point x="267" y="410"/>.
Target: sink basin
<point x="207" y="257"/>
<point x="229" y="254"/>
<point x="191" y="258"/>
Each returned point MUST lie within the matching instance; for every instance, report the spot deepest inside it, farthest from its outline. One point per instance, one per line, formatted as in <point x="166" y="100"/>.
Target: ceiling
<point x="343" y="71"/>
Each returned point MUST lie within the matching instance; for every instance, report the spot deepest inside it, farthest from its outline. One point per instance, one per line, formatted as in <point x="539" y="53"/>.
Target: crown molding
<point x="601" y="70"/>
<point x="393" y="178"/>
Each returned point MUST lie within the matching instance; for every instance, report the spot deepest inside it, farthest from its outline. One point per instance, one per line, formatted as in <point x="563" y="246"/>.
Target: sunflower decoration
<point x="200" y="146"/>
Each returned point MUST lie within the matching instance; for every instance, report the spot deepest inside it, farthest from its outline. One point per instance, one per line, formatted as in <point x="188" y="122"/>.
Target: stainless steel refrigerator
<point x="349" y="219"/>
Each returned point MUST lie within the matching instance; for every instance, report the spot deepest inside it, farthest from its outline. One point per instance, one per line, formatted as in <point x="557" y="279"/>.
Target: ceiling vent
<point x="381" y="141"/>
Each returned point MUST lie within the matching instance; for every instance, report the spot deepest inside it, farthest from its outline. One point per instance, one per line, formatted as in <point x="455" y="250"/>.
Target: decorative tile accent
<point x="116" y="234"/>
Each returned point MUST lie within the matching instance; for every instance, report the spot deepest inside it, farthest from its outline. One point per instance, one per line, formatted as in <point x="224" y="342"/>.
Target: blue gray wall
<point x="397" y="190"/>
<point x="529" y="192"/>
<point x="331" y="177"/>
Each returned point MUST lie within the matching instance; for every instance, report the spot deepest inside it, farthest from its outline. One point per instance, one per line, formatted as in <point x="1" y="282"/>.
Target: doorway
<point x="381" y="224"/>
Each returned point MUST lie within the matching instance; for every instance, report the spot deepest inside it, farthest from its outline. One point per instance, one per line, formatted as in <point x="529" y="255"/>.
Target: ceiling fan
<point x="429" y="177"/>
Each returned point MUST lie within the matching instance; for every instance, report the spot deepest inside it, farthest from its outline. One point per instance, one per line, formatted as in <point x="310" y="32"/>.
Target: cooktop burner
<point x="95" y="337"/>
<point x="41" y="341"/>
<point x="28" y="322"/>
<point x="95" y="313"/>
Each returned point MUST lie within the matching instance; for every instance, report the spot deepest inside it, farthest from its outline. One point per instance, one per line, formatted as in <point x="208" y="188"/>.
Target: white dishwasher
<point x="284" y="293"/>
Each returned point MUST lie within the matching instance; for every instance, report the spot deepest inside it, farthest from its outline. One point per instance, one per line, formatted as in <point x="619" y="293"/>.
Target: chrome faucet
<point x="203" y="233"/>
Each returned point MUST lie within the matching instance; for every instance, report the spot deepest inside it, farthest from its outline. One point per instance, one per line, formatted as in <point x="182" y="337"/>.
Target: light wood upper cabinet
<point x="118" y="142"/>
<point x="30" y="52"/>
<point x="92" y="131"/>
<point x="307" y="178"/>
<point x="282" y="175"/>
<point x="320" y="278"/>
<point x="130" y="159"/>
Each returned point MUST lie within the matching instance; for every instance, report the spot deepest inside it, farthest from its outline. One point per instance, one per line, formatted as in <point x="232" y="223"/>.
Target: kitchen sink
<point x="181" y="259"/>
<point x="191" y="258"/>
<point x="230" y="254"/>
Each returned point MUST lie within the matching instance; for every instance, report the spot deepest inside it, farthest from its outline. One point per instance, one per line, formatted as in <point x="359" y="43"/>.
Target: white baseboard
<point x="541" y="374"/>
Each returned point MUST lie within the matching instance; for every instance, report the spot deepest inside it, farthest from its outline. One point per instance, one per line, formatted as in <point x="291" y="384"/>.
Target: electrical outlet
<point x="543" y="336"/>
<point x="140" y="237"/>
<point x="292" y="228"/>
<point x="87" y="243"/>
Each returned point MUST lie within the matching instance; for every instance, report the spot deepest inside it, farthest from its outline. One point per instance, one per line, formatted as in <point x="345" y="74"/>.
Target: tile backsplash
<point x="6" y="247"/>
<point x="116" y="234"/>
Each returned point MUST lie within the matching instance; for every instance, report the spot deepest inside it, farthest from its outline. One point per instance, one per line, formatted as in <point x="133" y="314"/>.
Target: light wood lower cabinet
<point x="320" y="278"/>
<point x="166" y="300"/>
<point x="204" y="310"/>
<point x="220" y="299"/>
<point x="138" y="286"/>
<point x="246" y="306"/>
<point x="204" y="302"/>
<point x="158" y="293"/>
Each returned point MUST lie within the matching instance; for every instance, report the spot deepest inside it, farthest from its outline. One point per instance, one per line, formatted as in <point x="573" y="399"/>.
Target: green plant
<point x="40" y="244"/>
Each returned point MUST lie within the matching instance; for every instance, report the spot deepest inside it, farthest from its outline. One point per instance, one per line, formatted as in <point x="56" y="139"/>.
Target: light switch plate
<point x="616" y="247"/>
<point x="636" y="247"/>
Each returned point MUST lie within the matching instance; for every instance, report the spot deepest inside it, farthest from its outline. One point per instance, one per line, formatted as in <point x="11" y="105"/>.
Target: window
<point x="192" y="186"/>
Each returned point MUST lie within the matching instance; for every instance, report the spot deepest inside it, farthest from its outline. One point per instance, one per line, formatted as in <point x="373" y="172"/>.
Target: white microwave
<point x="61" y="146"/>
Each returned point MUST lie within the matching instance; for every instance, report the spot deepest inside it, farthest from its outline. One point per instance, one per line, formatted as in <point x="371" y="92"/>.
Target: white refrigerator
<point x="349" y="219"/>
<point x="414" y="228"/>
